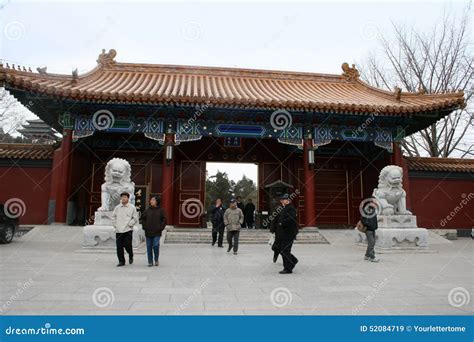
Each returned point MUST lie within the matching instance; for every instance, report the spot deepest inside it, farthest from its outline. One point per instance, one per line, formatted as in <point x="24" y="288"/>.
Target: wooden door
<point x="190" y="193"/>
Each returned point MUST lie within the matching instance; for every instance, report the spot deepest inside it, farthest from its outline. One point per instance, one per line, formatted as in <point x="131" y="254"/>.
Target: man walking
<point x="124" y="217"/>
<point x="218" y="223"/>
<point x="286" y="231"/>
<point x="249" y="210"/>
<point x="369" y="220"/>
<point x="233" y="219"/>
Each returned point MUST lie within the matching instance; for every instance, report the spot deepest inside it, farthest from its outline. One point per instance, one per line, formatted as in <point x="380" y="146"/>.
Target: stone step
<point x="203" y="236"/>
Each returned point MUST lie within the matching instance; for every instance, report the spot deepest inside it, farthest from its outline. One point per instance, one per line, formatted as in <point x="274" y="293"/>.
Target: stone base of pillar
<point x="397" y="238"/>
<point x="102" y="233"/>
<point x="104" y="236"/>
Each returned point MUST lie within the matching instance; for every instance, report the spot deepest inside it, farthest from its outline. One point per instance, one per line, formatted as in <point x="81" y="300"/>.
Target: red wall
<point x="32" y="186"/>
<point x="434" y="199"/>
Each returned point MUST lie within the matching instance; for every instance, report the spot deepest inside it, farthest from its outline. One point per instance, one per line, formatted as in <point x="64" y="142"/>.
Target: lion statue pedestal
<point x="117" y="180"/>
<point x="397" y="227"/>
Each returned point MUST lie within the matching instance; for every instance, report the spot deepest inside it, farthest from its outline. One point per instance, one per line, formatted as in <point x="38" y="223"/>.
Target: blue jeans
<point x="153" y="247"/>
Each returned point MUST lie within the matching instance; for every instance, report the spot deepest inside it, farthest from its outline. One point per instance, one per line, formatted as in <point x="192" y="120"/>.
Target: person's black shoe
<point x="213" y="243"/>
<point x="120" y="264"/>
<point x="130" y="260"/>
<point x="229" y="249"/>
<point x="286" y="272"/>
<point x="221" y="246"/>
<point x="275" y="257"/>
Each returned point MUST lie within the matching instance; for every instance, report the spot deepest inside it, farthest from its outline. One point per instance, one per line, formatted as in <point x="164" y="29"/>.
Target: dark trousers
<point x="233" y="235"/>
<point x="370" y="252"/>
<point x="124" y="240"/>
<point x="289" y="260"/>
<point x="218" y="232"/>
<point x="249" y="222"/>
<point x="153" y="247"/>
<point x="276" y="249"/>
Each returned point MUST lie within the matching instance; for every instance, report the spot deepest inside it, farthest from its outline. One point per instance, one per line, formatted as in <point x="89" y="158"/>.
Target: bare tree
<point x="12" y="115"/>
<point x="438" y="61"/>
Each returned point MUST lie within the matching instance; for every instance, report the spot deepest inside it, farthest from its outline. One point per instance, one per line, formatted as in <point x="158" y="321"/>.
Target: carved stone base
<point x="103" y="218"/>
<point x="396" y="221"/>
<point x="397" y="238"/>
<point x="104" y="236"/>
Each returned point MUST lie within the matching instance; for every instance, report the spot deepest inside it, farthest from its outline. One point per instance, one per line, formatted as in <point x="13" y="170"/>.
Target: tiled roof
<point x="112" y="81"/>
<point x="440" y="164"/>
<point x="26" y="151"/>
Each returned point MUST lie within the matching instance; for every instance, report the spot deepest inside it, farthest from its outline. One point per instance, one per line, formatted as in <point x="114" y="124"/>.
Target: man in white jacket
<point x="125" y="216"/>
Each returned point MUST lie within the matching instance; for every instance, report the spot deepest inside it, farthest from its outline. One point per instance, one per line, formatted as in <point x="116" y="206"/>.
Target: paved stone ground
<point x="47" y="272"/>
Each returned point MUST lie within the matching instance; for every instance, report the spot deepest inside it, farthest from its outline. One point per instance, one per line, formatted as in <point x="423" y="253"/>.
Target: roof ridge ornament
<point x="107" y="58"/>
<point x="397" y="91"/>
<point x="42" y="71"/>
<point x="75" y="75"/>
<point x="350" y="73"/>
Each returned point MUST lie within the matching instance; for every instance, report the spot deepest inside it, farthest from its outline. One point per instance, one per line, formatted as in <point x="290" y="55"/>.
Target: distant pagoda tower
<point x="38" y="132"/>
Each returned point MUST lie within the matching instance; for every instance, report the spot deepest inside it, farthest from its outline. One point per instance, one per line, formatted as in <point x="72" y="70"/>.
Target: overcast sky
<point x="314" y="37"/>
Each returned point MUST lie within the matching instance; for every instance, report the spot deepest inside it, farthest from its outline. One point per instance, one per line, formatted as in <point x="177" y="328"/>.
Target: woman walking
<point x="153" y="222"/>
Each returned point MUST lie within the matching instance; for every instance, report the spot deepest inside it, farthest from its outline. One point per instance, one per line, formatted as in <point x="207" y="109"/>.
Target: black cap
<point x="285" y="196"/>
<point x="232" y="200"/>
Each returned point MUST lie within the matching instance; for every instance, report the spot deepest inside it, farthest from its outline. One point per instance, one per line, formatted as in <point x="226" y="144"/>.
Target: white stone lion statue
<point x="117" y="180"/>
<point x="389" y="194"/>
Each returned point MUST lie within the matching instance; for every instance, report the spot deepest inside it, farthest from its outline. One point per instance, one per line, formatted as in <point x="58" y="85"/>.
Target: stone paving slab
<point x="46" y="272"/>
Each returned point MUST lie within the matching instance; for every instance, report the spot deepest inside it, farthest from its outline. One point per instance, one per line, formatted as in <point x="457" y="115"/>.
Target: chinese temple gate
<point x="326" y="135"/>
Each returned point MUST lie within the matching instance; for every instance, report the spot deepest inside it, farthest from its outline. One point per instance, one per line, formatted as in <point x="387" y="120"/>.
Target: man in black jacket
<point x="286" y="231"/>
<point x="369" y="220"/>
<point x="249" y="210"/>
<point x="218" y="223"/>
<point x="241" y="206"/>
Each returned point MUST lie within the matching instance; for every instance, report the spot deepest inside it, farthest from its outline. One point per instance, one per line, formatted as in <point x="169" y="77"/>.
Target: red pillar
<point x="309" y="187"/>
<point x="167" y="181"/>
<point x="63" y="171"/>
<point x="397" y="159"/>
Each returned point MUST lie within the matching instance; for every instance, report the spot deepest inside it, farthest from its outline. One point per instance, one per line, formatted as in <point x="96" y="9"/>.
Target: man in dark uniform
<point x="249" y="210"/>
<point x="218" y="223"/>
<point x="369" y="220"/>
<point x="286" y="231"/>
<point x="241" y="206"/>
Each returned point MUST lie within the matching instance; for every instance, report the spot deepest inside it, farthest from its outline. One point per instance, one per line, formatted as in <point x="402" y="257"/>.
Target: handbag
<point x="361" y="227"/>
